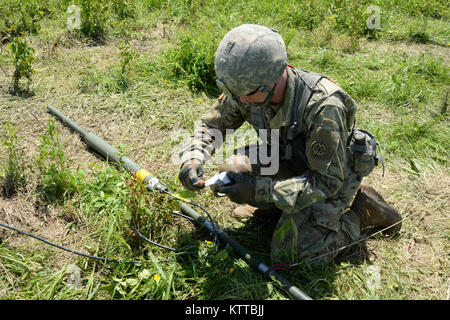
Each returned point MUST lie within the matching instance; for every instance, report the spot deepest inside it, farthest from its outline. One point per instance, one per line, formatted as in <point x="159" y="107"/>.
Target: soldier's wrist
<point x="192" y="155"/>
<point x="191" y="161"/>
<point x="263" y="189"/>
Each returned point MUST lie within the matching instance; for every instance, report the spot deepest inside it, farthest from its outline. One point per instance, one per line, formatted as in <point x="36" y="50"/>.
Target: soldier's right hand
<point x="191" y="174"/>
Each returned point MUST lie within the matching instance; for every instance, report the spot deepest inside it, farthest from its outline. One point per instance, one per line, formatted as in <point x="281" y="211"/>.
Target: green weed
<point x="23" y="59"/>
<point x="114" y="80"/>
<point x="193" y="61"/>
<point x="431" y="9"/>
<point x="412" y="138"/>
<point x="57" y="182"/>
<point x="306" y="14"/>
<point x="21" y="17"/>
<point x="94" y="18"/>
<point x="14" y="174"/>
<point x="155" y="4"/>
<point x="419" y="33"/>
<point x="127" y="54"/>
<point x="102" y="82"/>
<point x="151" y="214"/>
<point x="124" y="9"/>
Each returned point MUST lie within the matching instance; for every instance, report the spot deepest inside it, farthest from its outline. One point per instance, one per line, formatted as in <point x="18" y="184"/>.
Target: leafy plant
<point x="23" y="60"/>
<point x="150" y="214"/>
<point x="127" y="54"/>
<point x="153" y="5"/>
<point x="14" y="177"/>
<point x="20" y="16"/>
<point x="123" y="8"/>
<point x="94" y="19"/>
<point x="306" y="14"/>
<point x="57" y="181"/>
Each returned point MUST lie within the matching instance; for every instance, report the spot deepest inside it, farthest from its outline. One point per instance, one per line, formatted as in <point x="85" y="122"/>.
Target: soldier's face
<point x="257" y="97"/>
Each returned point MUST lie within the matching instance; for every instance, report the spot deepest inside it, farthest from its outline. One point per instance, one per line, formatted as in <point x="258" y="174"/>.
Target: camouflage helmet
<point x="248" y="57"/>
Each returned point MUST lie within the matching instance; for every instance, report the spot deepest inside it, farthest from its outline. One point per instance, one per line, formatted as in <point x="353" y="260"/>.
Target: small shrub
<point x="23" y="60"/>
<point x="20" y="16"/>
<point x="57" y="181"/>
<point x="94" y="19"/>
<point x="127" y="54"/>
<point x="153" y="5"/>
<point x="123" y="9"/>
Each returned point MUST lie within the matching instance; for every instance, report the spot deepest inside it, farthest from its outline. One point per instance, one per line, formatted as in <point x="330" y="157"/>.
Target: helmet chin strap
<point x="257" y="111"/>
<point x="267" y="100"/>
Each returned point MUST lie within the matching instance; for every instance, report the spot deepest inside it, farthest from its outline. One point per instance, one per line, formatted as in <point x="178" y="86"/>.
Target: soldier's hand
<point x="242" y="190"/>
<point x="191" y="174"/>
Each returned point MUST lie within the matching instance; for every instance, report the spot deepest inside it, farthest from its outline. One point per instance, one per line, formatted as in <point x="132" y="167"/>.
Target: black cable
<point x="182" y="215"/>
<point x="140" y="235"/>
<point x="67" y="249"/>
<point x="214" y="230"/>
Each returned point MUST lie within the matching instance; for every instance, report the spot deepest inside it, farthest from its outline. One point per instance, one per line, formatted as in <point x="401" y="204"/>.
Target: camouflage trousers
<point x="303" y="235"/>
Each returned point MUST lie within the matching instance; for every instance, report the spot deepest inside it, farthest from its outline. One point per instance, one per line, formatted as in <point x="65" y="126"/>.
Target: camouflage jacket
<point x="325" y="127"/>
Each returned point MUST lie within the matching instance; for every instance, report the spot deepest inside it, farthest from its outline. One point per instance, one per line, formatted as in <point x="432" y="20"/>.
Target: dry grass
<point x="418" y="256"/>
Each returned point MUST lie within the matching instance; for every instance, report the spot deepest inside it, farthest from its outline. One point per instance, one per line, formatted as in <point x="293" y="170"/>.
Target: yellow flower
<point x="165" y="80"/>
<point x="208" y="243"/>
<point x="156" y="277"/>
<point x="231" y="270"/>
<point x="200" y="100"/>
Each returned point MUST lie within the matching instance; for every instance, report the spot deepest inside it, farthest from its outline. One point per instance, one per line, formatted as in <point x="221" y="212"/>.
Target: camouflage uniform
<point x="313" y="220"/>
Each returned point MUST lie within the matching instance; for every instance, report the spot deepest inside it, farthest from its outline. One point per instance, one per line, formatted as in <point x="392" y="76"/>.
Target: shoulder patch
<point x="322" y="145"/>
<point x="319" y="149"/>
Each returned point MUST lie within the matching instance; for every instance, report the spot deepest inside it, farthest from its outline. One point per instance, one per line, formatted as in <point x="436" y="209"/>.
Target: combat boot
<point x="374" y="211"/>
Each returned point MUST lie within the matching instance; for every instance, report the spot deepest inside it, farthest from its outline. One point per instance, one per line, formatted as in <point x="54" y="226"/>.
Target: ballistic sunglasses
<point x="221" y="85"/>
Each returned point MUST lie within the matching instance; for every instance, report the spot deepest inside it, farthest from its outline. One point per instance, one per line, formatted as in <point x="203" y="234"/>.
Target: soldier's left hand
<point x="242" y="190"/>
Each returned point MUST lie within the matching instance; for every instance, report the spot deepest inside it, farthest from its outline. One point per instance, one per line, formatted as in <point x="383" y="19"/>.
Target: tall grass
<point x="193" y="60"/>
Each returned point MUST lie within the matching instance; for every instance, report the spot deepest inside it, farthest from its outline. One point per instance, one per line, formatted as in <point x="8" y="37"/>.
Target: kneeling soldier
<point x="321" y="158"/>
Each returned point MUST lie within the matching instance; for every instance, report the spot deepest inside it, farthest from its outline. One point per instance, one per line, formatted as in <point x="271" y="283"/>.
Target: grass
<point x="398" y="75"/>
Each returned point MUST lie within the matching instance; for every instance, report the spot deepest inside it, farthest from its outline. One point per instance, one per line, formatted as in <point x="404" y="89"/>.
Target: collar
<point x="284" y="111"/>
